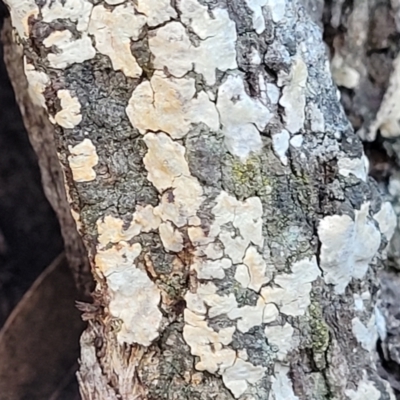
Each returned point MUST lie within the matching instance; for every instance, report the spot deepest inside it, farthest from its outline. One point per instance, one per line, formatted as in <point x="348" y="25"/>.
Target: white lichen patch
<point x="297" y="141"/>
<point x="113" y="31"/>
<point x="208" y="344"/>
<point x="156" y="11"/>
<point x="111" y="229"/>
<point x="82" y="159"/>
<point x="380" y="323"/>
<point x="172" y="38"/>
<point x="280" y="144"/>
<point x="273" y="93"/>
<point x="181" y="205"/>
<point x="216" y="49"/>
<point x="248" y="317"/>
<point x="347" y="247"/>
<point x="242" y="246"/>
<point x="245" y="216"/>
<point x="358" y="302"/>
<point x="242" y="275"/>
<point x="114" y="2"/>
<point x="277" y="8"/>
<point x="168" y="169"/>
<point x="354" y="166"/>
<point x="206" y="300"/>
<point x="37" y="81"/>
<point x="237" y="377"/>
<point x="75" y="10"/>
<point x="282" y="338"/>
<point x="164" y="160"/>
<point x="21" y="11"/>
<point x="293" y="98"/>
<point x="242" y="117"/>
<point x="70" y="114"/>
<point x="270" y="313"/>
<point x="365" y="390"/>
<point x="317" y="119"/>
<point x="281" y="388"/>
<point x="386" y="219"/>
<point x="171" y="238"/>
<point x="365" y="335"/>
<point x="257" y="269"/>
<point x="211" y="269"/>
<point x="69" y="50"/>
<point x="292" y="294"/>
<point x="170" y="105"/>
<point x="134" y="298"/>
<point x="211" y="346"/>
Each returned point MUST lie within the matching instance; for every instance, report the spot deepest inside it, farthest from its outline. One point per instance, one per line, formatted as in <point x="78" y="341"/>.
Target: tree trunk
<point x="41" y="135"/>
<point x="221" y="194"/>
<point x="364" y="48"/>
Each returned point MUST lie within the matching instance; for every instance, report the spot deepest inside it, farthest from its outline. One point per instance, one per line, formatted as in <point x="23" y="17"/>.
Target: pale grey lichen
<point x="242" y="117"/>
<point x="366" y="335"/>
<point x="69" y="50"/>
<point x="82" y="159"/>
<point x="292" y="293"/>
<point x="293" y="98"/>
<point x="113" y="31"/>
<point x="280" y="143"/>
<point x="216" y="49"/>
<point x="70" y="114"/>
<point x="21" y="11"/>
<point x="75" y="10"/>
<point x="281" y="337"/>
<point x="386" y="219"/>
<point x="169" y="105"/>
<point x="348" y="246"/>
<point x="277" y="8"/>
<point x="354" y="166"/>
<point x="281" y="388"/>
<point x="134" y="298"/>
<point x="237" y="377"/>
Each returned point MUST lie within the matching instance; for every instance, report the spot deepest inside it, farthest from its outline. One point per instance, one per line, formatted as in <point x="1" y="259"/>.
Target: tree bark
<point x="364" y="48"/>
<point x="221" y="194"/>
<point x="41" y="136"/>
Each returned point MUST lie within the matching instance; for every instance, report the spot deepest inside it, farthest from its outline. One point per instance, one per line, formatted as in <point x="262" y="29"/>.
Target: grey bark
<point x="365" y="34"/>
<point x="308" y="190"/>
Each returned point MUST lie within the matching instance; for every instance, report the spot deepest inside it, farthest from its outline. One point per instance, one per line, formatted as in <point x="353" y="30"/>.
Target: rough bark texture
<point x="41" y="137"/>
<point x="221" y="194"/>
<point x="363" y="38"/>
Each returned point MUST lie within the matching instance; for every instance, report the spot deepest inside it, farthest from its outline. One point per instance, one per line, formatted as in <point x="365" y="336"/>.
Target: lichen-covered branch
<point x="363" y="38"/>
<point x="221" y="194"/>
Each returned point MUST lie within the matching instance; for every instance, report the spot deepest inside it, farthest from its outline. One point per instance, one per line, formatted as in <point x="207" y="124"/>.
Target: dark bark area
<point x="42" y="140"/>
<point x="29" y="231"/>
<point x="45" y="327"/>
